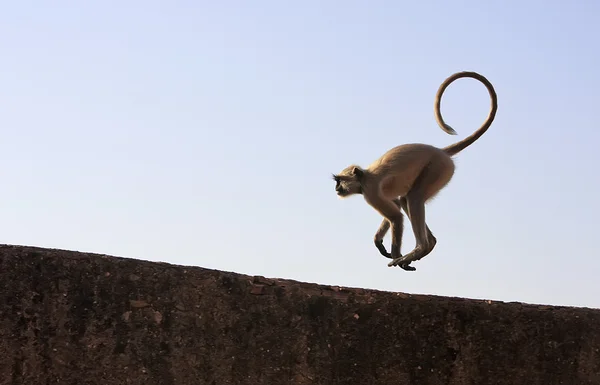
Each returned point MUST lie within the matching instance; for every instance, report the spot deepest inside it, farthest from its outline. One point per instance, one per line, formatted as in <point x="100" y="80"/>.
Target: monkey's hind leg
<point x="431" y="180"/>
<point x="431" y="239"/>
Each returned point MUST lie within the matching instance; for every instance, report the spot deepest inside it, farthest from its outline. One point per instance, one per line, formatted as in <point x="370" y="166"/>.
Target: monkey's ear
<point x="357" y="172"/>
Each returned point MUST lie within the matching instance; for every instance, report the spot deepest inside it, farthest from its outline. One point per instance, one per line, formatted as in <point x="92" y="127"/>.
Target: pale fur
<point x="406" y="177"/>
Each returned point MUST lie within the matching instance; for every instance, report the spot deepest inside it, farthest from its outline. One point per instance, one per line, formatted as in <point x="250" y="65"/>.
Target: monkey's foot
<point x="407" y="267"/>
<point x="400" y="261"/>
<point x="382" y="250"/>
<point x="414" y="255"/>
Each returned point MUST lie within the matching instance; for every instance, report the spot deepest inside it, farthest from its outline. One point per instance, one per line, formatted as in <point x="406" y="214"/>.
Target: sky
<point x="204" y="133"/>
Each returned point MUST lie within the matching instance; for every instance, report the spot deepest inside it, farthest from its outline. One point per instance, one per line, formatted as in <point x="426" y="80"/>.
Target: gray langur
<point x="408" y="176"/>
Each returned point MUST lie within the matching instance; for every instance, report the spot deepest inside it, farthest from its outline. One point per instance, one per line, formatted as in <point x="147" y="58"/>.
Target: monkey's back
<point x="401" y="165"/>
<point x="408" y="153"/>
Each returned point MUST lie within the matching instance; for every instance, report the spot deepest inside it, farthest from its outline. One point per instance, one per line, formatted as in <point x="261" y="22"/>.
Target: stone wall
<point x="77" y="318"/>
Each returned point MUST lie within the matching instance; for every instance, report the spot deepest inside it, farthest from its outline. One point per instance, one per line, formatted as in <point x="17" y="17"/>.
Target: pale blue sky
<point x="204" y="133"/>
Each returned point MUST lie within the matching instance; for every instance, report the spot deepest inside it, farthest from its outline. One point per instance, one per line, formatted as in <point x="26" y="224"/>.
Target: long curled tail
<point x="457" y="147"/>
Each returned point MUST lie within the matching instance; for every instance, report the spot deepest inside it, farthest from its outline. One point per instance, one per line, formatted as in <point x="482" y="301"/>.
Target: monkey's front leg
<point x="424" y="237"/>
<point x="397" y="227"/>
<point x="383" y="229"/>
<point x="396" y="242"/>
<point x="397" y="224"/>
<point x="391" y="211"/>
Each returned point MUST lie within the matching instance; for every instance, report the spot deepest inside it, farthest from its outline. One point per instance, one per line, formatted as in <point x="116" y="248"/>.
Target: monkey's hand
<point x="401" y="261"/>
<point x="382" y="250"/>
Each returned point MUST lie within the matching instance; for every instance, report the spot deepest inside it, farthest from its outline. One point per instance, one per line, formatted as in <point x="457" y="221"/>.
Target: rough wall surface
<point x="77" y="318"/>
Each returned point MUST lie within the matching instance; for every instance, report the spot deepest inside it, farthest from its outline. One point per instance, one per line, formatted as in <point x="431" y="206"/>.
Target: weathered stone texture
<point x="77" y="318"/>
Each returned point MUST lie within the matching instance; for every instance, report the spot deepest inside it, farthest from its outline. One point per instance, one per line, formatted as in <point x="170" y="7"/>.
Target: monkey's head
<point x="348" y="182"/>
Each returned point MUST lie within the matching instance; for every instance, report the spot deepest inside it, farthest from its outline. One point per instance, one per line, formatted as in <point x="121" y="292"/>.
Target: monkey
<point x="408" y="176"/>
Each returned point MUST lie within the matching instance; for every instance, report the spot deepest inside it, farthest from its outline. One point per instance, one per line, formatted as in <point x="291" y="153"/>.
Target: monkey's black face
<point x="348" y="181"/>
<point x="339" y="188"/>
